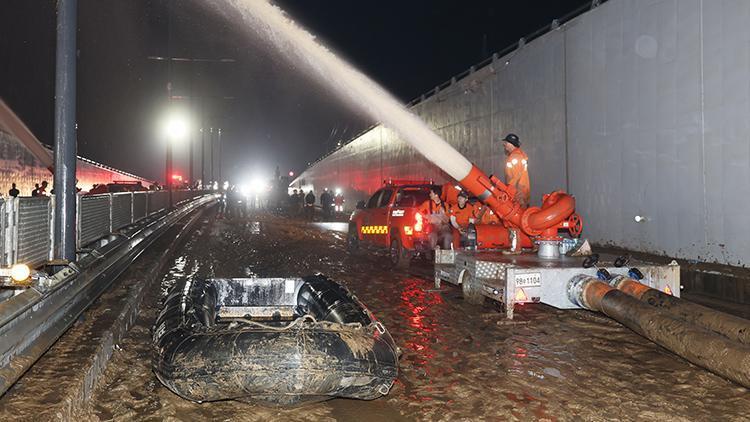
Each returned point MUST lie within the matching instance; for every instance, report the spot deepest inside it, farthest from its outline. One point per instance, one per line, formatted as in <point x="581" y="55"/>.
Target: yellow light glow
<point x="521" y="295"/>
<point x="20" y="272"/>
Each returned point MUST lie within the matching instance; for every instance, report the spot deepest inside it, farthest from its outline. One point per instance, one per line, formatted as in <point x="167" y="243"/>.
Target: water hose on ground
<point x="714" y="352"/>
<point x="730" y="326"/>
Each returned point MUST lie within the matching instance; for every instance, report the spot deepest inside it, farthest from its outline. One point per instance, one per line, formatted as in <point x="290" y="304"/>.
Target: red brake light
<point x="418" y="222"/>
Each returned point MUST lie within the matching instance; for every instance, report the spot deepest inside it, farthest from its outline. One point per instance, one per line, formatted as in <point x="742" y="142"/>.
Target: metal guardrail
<point x="26" y="223"/>
<point x="32" y="320"/>
<point x="33" y="229"/>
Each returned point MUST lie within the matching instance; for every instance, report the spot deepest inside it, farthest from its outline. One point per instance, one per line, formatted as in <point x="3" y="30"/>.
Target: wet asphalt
<point x="459" y="361"/>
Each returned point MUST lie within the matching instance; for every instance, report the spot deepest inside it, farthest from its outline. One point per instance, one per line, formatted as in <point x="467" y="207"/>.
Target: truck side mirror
<point x="361" y="205"/>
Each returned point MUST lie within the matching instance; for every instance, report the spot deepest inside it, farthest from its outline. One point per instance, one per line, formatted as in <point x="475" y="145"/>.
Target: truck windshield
<point x="412" y="197"/>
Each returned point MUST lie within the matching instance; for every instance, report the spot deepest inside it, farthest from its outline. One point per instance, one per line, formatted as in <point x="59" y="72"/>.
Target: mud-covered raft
<point x="282" y="341"/>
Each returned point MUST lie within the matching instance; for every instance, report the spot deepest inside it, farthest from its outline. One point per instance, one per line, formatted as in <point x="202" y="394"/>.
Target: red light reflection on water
<point x="419" y="311"/>
<point x="521" y="353"/>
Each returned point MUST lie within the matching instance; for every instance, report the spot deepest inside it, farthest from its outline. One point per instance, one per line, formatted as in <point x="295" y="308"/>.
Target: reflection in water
<point x="340" y="227"/>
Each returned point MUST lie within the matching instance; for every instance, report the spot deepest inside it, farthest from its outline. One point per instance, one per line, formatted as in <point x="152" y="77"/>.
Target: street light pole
<point x="65" y="132"/>
<point x="218" y="141"/>
<point x="168" y="169"/>
<point x="211" y="152"/>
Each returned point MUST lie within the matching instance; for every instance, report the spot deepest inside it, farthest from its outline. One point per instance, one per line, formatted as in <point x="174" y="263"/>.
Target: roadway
<point x="459" y="361"/>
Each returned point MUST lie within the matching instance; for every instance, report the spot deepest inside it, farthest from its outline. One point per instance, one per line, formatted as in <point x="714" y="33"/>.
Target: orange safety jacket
<point x="464" y="216"/>
<point x="517" y="175"/>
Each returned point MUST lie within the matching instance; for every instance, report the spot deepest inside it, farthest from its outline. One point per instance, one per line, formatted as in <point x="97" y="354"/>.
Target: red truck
<point x="391" y="219"/>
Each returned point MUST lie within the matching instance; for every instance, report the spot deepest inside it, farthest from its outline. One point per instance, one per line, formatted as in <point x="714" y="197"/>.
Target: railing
<point x="26" y="223"/>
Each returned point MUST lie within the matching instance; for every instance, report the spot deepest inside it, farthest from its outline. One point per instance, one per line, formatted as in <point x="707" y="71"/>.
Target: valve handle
<point x="603" y="274"/>
<point x="622" y="261"/>
<point x="575" y="224"/>
<point x="635" y="274"/>
<point x="591" y="260"/>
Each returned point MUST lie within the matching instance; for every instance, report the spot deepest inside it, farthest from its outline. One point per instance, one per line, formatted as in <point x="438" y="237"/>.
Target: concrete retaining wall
<point x="636" y="107"/>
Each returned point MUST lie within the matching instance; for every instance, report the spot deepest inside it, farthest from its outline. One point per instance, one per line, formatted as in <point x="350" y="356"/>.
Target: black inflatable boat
<point x="281" y="341"/>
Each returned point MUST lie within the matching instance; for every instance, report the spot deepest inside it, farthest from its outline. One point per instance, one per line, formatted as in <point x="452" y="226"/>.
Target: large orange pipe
<point x="556" y="208"/>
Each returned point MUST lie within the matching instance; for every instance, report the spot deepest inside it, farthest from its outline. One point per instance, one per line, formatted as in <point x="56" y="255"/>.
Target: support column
<point x="65" y="131"/>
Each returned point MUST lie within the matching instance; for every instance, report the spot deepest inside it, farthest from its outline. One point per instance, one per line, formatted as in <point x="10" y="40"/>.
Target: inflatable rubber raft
<point x="281" y="341"/>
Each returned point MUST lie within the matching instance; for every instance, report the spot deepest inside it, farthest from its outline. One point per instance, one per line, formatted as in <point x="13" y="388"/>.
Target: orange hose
<point x="557" y="207"/>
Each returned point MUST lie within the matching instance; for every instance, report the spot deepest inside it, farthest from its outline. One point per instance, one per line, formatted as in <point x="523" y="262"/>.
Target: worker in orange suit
<point x="461" y="214"/>
<point x="517" y="169"/>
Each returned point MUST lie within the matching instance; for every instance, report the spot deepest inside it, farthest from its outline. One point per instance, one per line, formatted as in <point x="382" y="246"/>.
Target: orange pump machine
<point x="521" y="226"/>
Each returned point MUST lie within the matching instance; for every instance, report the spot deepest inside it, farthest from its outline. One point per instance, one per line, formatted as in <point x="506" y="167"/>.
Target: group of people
<point x="445" y="218"/>
<point x="302" y="204"/>
<point x="39" y="190"/>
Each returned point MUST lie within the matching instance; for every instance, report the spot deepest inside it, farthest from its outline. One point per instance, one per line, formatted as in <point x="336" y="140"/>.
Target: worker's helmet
<point x="512" y="139"/>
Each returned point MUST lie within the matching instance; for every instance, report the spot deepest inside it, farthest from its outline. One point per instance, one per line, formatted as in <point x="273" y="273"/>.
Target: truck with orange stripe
<point x="394" y="219"/>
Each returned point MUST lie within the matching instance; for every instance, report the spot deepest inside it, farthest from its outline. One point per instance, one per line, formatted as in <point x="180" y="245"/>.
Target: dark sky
<point x="276" y="116"/>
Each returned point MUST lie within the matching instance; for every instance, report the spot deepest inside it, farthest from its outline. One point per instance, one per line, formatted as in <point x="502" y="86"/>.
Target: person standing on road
<point x="338" y="202"/>
<point x="310" y="205"/>
<point x="517" y="169"/>
<point x="325" y="203"/>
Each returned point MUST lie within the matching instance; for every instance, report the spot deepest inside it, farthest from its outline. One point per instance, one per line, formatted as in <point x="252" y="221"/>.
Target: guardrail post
<point x="132" y="207"/>
<point x="78" y="221"/>
<point x="51" y="208"/>
<point x="14" y="229"/>
<point x="7" y="212"/>
<point x="111" y="207"/>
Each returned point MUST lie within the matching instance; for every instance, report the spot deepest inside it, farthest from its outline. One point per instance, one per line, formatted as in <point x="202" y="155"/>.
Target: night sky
<point x="275" y="116"/>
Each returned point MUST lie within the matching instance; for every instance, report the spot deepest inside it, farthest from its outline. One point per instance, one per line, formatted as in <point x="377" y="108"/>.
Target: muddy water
<point x="459" y="362"/>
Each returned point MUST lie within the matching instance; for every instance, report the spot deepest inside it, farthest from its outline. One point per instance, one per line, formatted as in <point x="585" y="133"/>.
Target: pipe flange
<point x="575" y="290"/>
<point x="525" y="221"/>
<point x="616" y="281"/>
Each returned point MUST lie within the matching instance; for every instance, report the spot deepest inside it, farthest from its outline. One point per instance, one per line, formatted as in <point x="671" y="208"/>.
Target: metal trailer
<point x="527" y="278"/>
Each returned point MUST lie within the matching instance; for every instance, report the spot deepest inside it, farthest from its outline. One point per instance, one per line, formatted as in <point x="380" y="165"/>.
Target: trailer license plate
<point x="529" y="280"/>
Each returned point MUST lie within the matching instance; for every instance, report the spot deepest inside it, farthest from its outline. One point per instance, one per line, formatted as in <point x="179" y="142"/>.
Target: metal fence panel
<point x="122" y="204"/>
<point x="33" y="230"/>
<point x="157" y="201"/>
<point x="140" y="205"/>
<point x="93" y="218"/>
<point x="4" y="258"/>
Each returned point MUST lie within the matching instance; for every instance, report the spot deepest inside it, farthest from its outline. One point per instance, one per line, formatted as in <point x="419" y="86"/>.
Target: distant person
<point x="300" y="202"/>
<point x="310" y="205"/>
<point x="325" y="203"/>
<point x="338" y="202"/>
<point x="13" y="192"/>
<point x="35" y="192"/>
<point x="517" y="169"/>
<point x="43" y="189"/>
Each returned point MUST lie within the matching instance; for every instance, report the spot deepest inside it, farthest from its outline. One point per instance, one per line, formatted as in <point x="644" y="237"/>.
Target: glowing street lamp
<point x="175" y="129"/>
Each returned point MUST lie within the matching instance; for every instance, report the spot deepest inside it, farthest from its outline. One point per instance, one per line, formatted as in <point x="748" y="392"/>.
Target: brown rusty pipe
<point x="730" y="326"/>
<point x="714" y="352"/>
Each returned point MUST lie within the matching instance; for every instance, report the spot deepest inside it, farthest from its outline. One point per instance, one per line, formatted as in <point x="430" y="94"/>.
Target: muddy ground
<point x="459" y="362"/>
